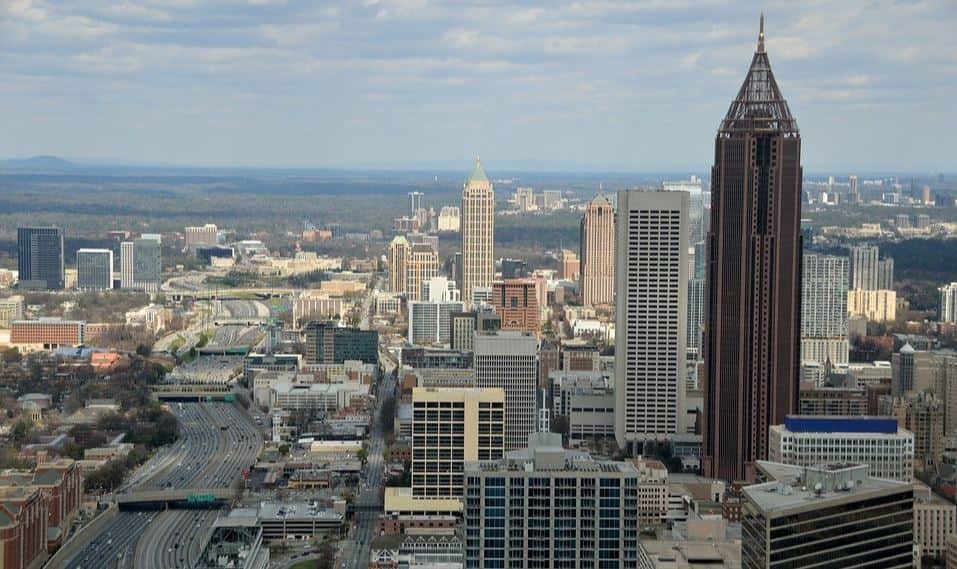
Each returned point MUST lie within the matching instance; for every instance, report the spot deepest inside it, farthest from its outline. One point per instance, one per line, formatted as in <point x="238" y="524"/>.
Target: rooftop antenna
<point x="761" y="35"/>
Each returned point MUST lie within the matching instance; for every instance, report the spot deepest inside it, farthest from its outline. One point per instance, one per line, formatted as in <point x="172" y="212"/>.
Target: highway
<point x="242" y="309"/>
<point x="217" y="441"/>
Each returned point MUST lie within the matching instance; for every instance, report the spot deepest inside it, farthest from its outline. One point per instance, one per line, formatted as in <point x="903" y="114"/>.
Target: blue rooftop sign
<point x="824" y="424"/>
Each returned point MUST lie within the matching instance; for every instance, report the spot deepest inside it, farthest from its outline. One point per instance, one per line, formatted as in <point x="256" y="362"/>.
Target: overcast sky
<point x="590" y="85"/>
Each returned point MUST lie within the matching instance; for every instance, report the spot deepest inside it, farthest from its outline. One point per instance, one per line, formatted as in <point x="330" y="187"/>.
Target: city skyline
<point x="251" y="368"/>
<point x="319" y="88"/>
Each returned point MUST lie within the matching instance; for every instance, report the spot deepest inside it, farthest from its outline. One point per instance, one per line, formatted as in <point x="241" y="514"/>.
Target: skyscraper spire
<point x="753" y="331"/>
<point x="759" y="104"/>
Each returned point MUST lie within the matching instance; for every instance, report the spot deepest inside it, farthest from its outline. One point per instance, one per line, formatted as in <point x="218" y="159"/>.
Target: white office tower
<point x="878" y="442"/>
<point x="868" y="271"/>
<point x="824" y="310"/>
<point x="651" y="316"/>
<point x="430" y="322"/>
<point x="94" y="269"/>
<point x="430" y="319"/>
<point x="478" y="231"/>
<point x="450" y="219"/>
<point x="696" y="311"/>
<point x="696" y="202"/>
<point x="947" y="304"/>
<point x="863" y="269"/>
<point x="508" y="360"/>
<point x="440" y="289"/>
<point x="141" y="263"/>
<point x="421" y="265"/>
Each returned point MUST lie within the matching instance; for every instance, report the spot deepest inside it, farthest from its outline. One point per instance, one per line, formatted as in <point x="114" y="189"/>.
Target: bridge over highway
<point x="194" y="498"/>
<point x="230" y="293"/>
<point x="202" y="392"/>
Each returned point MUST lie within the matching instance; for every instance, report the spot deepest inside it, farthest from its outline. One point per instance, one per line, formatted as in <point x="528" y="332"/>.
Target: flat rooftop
<point x="239" y="517"/>
<point x="795" y="486"/>
<point x="270" y="511"/>
<point x="671" y="554"/>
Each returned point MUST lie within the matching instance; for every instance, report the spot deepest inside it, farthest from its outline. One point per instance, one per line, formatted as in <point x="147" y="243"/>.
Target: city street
<point x="355" y="551"/>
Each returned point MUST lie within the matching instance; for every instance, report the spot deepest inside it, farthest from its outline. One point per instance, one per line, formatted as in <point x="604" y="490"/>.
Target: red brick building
<point x="61" y="485"/>
<point x="61" y="480"/>
<point x="47" y="333"/>
<point x="584" y="357"/>
<point x="23" y="527"/>
<point x="516" y="302"/>
<point x="391" y="524"/>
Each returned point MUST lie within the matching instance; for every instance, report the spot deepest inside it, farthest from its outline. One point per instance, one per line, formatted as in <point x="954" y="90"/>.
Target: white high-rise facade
<point x="141" y="266"/>
<point x="696" y="202"/>
<point x="430" y="322"/>
<point x="863" y="269"/>
<point x="947" y="305"/>
<point x="868" y="271"/>
<point x="878" y="442"/>
<point x="94" y="269"/>
<point x="651" y="280"/>
<point x="509" y="360"/>
<point x="824" y="309"/>
<point x="478" y="232"/>
<point x="695" y="331"/>
<point x="422" y="264"/>
<point x="126" y="265"/>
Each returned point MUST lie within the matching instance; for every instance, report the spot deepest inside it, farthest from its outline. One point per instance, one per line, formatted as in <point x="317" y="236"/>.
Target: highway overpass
<point x="194" y="392"/>
<point x="196" y="498"/>
<point x="230" y="293"/>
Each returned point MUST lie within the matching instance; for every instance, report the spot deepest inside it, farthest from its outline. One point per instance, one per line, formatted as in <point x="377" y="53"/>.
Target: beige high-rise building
<point x="398" y="263"/>
<point x="598" y="253"/>
<point x="478" y="232"/>
<point x="875" y="305"/>
<point x="199" y="236"/>
<point x="423" y="265"/>
<point x="449" y="427"/>
<point x="935" y="520"/>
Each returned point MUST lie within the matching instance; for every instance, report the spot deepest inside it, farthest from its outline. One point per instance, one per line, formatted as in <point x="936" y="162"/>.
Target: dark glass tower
<point x="754" y="270"/>
<point x="40" y="257"/>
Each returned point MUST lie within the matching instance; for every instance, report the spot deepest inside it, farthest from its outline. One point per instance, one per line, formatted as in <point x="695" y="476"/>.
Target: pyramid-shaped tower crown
<point x="478" y="173"/>
<point x="759" y="106"/>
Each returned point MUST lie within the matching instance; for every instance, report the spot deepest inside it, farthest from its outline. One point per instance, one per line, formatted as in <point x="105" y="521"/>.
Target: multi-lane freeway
<point x="217" y="441"/>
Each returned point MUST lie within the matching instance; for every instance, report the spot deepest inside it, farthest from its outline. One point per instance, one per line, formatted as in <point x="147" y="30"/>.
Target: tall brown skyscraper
<point x="754" y="271"/>
<point x="598" y="253"/>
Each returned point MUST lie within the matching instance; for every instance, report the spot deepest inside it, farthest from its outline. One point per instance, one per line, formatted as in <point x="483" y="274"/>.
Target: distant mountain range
<point x="38" y="163"/>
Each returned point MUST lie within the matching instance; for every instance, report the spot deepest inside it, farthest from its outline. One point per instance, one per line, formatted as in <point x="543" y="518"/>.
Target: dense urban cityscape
<point x="752" y="367"/>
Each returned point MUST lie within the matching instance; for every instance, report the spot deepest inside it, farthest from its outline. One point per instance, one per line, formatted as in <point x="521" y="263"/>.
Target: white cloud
<point x="651" y="62"/>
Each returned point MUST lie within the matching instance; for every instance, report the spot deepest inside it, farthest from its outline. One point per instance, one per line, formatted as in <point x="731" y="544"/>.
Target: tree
<point x="12" y="356"/>
<point x="166" y="431"/>
<point x="363" y="454"/>
<point x="283" y="449"/>
<point x="21" y="430"/>
<point x="143" y="350"/>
